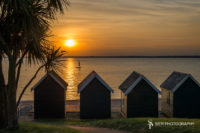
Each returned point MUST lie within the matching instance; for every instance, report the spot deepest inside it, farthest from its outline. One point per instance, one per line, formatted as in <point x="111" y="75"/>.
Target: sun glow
<point x="70" y="43"/>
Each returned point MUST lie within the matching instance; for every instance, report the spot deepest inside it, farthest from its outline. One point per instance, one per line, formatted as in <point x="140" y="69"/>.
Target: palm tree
<point x="3" y="117"/>
<point x="24" y="26"/>
<point x="52" y="61"/>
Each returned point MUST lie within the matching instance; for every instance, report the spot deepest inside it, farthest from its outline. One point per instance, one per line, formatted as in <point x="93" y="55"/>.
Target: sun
<point x="70" y="43"/>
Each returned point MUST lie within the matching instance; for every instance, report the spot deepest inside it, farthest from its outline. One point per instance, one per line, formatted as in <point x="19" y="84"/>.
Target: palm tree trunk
<point x="11" y="96"/>
<point x="27" y="85"/>
<point x="3" y="108"/>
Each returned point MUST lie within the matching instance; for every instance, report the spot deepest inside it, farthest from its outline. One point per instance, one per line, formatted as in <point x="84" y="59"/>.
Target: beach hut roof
<point x="55" y="76"/>
<point x="175" y="80"/>
<point x="89" y="78"/>
<point x="130" y="83"/>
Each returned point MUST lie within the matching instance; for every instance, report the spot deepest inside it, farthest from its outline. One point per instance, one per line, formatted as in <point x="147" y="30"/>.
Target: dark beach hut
<point x="95" y="97"/>
<point x="49" y="97"/>
<point x="139" y="97"/>
<point x="181" y="96"/>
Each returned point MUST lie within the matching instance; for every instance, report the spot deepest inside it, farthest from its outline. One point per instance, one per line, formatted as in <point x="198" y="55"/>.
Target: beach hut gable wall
<point x="180" y="96"/>
<point x="89" y="79"/>
<point x="49" y="97"/>
<point x="139" y="97"/>
<point x="56" y="77"/>
<point x="138" y="81"/>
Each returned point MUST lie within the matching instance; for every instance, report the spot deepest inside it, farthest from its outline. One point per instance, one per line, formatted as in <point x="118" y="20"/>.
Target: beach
<point x="72" y="108"/>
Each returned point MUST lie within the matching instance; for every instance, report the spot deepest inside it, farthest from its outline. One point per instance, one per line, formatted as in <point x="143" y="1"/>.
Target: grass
<point x="140" y="125"/>
<point x="135" y="125"/>
<point x="40" y="128"/>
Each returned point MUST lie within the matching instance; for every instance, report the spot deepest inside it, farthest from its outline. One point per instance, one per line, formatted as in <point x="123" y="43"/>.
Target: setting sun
<point x="70" y="43"/>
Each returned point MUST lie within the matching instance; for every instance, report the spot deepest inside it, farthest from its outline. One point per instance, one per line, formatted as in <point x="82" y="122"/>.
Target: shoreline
<point x="184" y="56"/>
<point x="26" y="109"/>
<point x="74" y="105"/>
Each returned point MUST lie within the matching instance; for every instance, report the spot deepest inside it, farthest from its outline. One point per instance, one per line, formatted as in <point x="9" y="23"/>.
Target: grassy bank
<point x="40" y="128"/>
<point x="135" y="125"/>
<point x="140" y="125"/>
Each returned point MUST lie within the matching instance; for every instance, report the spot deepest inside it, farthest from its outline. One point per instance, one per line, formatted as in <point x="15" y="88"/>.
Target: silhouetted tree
<point x="24" y="26"/>
<point x="3" y="111"/>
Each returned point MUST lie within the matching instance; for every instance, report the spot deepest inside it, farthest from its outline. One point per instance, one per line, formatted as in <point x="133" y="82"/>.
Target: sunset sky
<point x="130" y="27"/>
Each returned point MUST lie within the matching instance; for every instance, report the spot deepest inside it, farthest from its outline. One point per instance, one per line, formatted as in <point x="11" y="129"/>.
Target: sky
<point x="129" y="27"/>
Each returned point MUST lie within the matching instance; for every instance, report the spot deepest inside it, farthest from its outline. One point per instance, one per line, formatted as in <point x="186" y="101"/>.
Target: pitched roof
<point x="175" y="80"/>
<point x="89" y="78"/>
<point x="131" y="82"/>
<point x="55" y="76"/>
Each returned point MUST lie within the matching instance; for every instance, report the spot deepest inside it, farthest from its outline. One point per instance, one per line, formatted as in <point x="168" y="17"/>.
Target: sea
<point x="112" y="70"/>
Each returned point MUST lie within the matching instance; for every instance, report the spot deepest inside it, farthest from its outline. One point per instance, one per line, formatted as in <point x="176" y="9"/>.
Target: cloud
<point x="138" y="22"/>
<point x="100" y="11"/>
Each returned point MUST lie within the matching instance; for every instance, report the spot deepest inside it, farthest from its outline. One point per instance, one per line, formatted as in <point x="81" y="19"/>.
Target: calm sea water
<point x="113" y="70"/>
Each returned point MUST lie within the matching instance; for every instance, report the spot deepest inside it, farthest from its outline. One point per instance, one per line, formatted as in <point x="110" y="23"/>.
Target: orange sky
<point x="130" y="27"/>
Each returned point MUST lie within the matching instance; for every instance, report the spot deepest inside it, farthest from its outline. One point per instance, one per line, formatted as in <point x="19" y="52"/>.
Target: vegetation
<point x="40" y="128"/>
<point x="140" y="125"/>
<point x="24" y="26"/>
<point x="134" y="125"/>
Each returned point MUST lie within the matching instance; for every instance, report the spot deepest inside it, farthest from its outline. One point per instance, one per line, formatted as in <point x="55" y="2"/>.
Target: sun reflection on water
<point x="71" y="76"/>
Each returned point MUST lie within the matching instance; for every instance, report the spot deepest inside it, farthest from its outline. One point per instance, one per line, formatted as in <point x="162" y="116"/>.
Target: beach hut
<point x="49" y="97"/>
<point x="181" y="96"/>
<point x="95" y="97"/>
<point x="139" y="97"/>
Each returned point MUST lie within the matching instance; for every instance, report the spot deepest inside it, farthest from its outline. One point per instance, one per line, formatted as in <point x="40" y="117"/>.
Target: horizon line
<point x="159" y="56"/>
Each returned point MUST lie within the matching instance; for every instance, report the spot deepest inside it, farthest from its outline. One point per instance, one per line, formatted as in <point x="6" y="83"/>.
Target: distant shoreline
<point x="198" y="56"/>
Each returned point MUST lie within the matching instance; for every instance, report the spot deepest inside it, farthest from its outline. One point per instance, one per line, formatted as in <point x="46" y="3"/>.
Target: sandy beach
<point x="71" y="105"/>
<point x="26" y="109"/>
